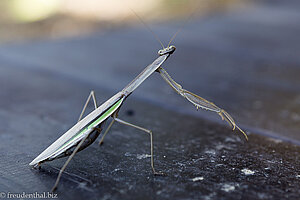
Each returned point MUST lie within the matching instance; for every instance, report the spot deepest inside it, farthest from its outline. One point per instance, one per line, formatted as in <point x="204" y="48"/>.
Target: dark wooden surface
<point x="245" y="61"/>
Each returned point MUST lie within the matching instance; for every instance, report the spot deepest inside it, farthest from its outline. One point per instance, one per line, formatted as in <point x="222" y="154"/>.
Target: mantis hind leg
<point x="91" y="96"/>
<point x="151" y="140"/>
<point x="70" y="158"/>
<point x="115" y="118"/>
<point x="67" y="162"/>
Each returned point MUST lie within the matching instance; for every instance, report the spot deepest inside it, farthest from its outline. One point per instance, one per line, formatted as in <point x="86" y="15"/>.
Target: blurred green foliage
<point x="30" y="19"/>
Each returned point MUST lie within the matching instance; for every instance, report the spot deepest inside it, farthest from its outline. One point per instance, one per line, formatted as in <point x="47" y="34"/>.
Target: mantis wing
<point x="80" y="129"/>
<point x="198" y="101"/>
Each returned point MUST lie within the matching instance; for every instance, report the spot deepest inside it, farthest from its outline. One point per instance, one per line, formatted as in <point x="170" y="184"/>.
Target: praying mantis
<point x="88" y="128"/>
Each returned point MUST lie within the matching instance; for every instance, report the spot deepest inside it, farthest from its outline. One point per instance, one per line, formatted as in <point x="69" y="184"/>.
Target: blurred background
<point x="32" y="19"/>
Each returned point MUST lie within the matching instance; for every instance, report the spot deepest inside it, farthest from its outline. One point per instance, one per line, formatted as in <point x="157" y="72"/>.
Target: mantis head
<point x="167" y="50"/>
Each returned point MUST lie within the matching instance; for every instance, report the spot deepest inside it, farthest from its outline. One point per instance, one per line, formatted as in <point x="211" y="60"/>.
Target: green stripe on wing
<point x="105" y="115"/>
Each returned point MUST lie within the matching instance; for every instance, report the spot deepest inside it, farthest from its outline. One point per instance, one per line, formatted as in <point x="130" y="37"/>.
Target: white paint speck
<point x="142" y="156"/>
<point x="248" y="171"/>
<point x="83" y="186"/>
<point x="210" y="196"/>
<point x="127" y="154"/>
<point x="228" y="188"/>
<point x="159" y="192"/>
<point x="220" y="146"/>
<point x="298" y="176"/>
<point x="277" y="141"/>
<point x="228" y="139"/>
<point x="212" y="152"/>
<point x="200" y="178"/>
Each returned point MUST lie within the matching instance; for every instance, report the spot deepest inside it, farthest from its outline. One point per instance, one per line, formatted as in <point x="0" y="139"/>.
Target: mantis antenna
<point x="156" y="37"/>
<point x="182" y="26"/>
<point x="173" y="37"/>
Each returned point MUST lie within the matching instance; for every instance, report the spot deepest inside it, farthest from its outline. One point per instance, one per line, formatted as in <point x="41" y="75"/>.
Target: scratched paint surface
<point x="201" y="159"/>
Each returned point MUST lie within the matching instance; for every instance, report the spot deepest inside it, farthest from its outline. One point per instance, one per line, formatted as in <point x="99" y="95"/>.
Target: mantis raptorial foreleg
<point x="92" y="95"/>
<point x="198" y="101"/>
